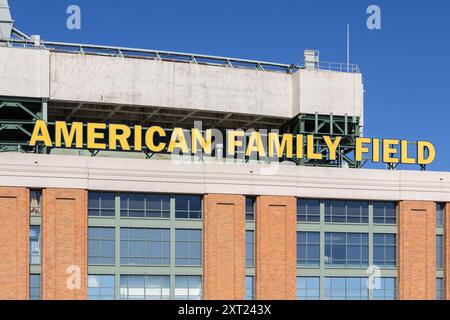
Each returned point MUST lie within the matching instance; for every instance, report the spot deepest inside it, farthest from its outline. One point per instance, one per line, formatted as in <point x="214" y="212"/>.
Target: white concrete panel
<point x="98" y="79"/>
<point x="111" y="174"/>
<point x="24" y="72"/>
<point x="326" y="92"/>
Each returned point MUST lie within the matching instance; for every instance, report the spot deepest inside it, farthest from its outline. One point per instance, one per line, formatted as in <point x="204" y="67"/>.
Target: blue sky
<point x="405" y="65"/>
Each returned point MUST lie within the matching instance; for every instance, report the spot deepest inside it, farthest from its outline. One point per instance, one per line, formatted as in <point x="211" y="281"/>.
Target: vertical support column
<point x="417" y="250"/>
<point x="64" y="244"/>
<point x="447" y="252"/>
<point x="276" y="248"/>
<point x="224" y="247"/>
<point x="14" y="233"/>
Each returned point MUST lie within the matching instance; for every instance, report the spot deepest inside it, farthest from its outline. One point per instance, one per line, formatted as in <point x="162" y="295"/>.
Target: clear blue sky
<point x="405" y="65"/>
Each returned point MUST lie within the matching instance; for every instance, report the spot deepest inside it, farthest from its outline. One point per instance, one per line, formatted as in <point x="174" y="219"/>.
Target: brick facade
<point x="447" y="252"/>
<point x="276" y="247"/>
<point x="224" y="247"/>
<point x="64" y="244"/>
<point x="417" y="250"/>
<point x="14" y="256"/>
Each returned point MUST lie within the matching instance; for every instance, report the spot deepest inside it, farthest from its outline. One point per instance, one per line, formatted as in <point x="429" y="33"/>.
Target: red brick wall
<point x="224" y="247"/>
<point x="275" y="247"/>
<point x="14" y="257"/>
<point x="64" y="244"/>
<point x="447" y="252"/>
<point x="417" y="250"/>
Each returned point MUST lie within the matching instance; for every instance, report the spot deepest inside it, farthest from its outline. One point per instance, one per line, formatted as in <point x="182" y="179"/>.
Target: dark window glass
<point x="308" y="210"/>
<point x="101" y="246"/>
<point x="35" y="287"/>
<point x="188" y="247"/>
<point x="341" y="211"/>
<point x="35" y="202"/>
<point x="387" y="289"/>
<point x="440" y="207"/>
<point x="346" y="249"/>
<point x="101" y="287"/>
<point x="144" y="205"/>
<point x="188" y="287"/>
<point x="140" y="287"/>
<point x="439" y="289"/>
<point x="249" y="248"/>
<point x="249" y="288"/>
<point x="343" y="288"/>
<point x="308" y="288"/>
<point x="308" y="249"/>
<point x="188" y="207"/>
<point x="385" y="249"/>
<point x="139" y="246"/>
<point x="250" y="208"/>
<point x="101" y="204"/>
<point x="440" y="252"/>
<point x="35" y="244"/>
<point x="384" y="212"/>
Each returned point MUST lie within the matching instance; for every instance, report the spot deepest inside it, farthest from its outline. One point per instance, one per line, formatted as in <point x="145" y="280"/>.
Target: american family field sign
<point x="155" y="139"/>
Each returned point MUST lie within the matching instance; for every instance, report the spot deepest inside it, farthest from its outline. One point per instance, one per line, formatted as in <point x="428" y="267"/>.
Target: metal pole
<point x="348" y="47"/>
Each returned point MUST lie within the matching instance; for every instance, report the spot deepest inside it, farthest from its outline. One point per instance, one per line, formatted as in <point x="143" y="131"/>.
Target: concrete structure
<point x="109" y="226"/>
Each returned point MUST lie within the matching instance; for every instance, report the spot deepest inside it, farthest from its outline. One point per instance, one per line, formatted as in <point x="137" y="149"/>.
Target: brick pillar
<point x="275" y="248"/>
<point x="224" y="247"/>
<point x="64" y="244"/>
<point x="14" y="233"/>
<point x="447" y="252"/>
<point x="417" y="250"/>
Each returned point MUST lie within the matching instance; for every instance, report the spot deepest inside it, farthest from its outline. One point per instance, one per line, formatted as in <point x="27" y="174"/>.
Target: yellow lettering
<point x="277" y="148"/>
<point x="332" y="146"/>
<point x="232" y="143"/>
<point x="205" y="144"/>
<point x="310" y="149"/>
<point x="360" y="148"/>
<point x="421" y="146"/>
<point x="93" y="135"/>
<point x="389" y="150"/>
<point x="122" y="137"/>
<point x="178" y="140"/>
<point x="404" y="157"/>
<point x="150" y="139"/>
<point x="255" y="145"/>
<point x="40" y="133"/>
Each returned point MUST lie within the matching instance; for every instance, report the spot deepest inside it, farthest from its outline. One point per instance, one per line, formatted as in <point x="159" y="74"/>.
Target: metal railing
<point x="172" y="56"/>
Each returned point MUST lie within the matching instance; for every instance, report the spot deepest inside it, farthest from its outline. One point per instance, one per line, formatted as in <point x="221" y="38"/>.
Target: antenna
<point x="6" y="22"/>
<point x="348" y="47"/>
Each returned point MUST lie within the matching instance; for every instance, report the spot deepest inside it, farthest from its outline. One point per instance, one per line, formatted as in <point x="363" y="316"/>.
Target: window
<point x="144" y="287"/>
<point x="346" y="249"/>
<point x="188" y="207"/>
<point x="346" y="288"/>
<point x="35" y="245"/>
<point x="308" y="288"/>
<point x="250" y="208"/>
<point x="142" y="205"/>
<point x="139" y="246"/>
<point x="101" y="287"/>
<point x="384" y="213"/>
<point x="35" y="287"/>
<point x="188" y="247"/>
<point x="188" y="287"/>
<point x="308" y="210"/>
<point x="385" y="249"/>
<point x="440" y="252"/>
<point x="439" y="289"/>
<point x="440" y="208"/>
<point x="249" y="248"/>
<point x="101" y="204"/>
<point x="101" y="246"/>
<point x="308" y="249"/>
<point x="35" y="202"/>
<point x="249" y="288"/>
<point x="341" y="211"/>
<point x="387" y="289"/>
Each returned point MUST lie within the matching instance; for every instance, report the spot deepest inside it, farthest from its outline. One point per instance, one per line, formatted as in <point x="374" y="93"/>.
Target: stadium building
<point x="83" y="222"/>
